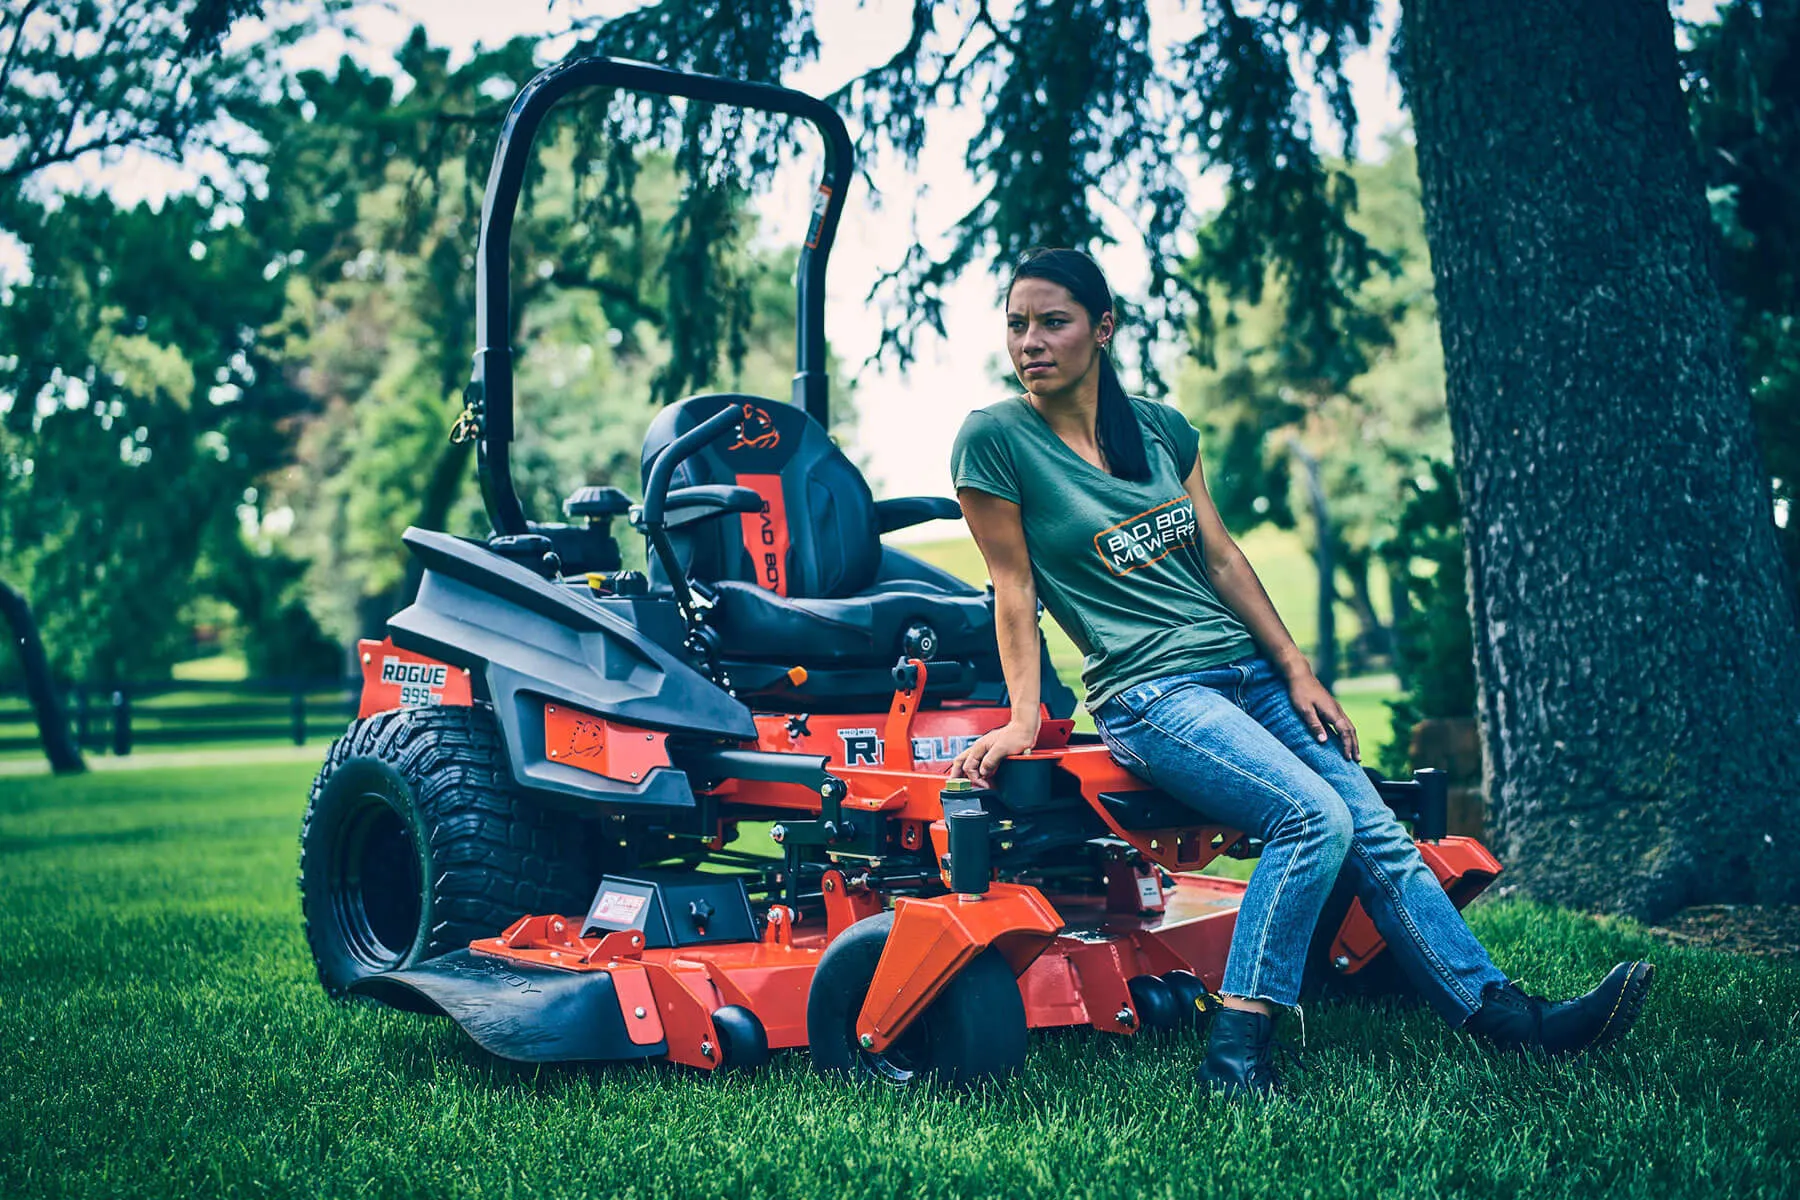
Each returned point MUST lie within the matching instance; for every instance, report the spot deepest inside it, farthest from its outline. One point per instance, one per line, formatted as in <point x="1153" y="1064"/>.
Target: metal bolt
<point x="774" y="916"/>
<point x="553" y="754"/>
<point x="638" y="1012"/>
<point x="706" y="1049"/>
<point x="778" y="834"/>
<point x="634" y="774"/>
<point x="367" y="657"/>
<point x="831" y="885"/>
<point x="650" y="737"/>
<point x="1126" y="1017"/>
<point x="549" y="708"/>
<point x="867" y="1041"/>
<point x="1341" y="962"/>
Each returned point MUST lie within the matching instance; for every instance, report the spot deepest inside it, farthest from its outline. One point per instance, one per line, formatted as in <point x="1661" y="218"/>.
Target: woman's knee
<point x="1322" y="820"/>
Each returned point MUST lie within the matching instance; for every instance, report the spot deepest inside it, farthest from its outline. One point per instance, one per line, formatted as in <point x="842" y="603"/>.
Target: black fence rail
<point x="114" y="719"/>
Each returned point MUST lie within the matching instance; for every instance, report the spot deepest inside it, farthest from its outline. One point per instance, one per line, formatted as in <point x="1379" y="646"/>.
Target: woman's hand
<point x="1319" y="709"/>
<point x="979" y="762"/>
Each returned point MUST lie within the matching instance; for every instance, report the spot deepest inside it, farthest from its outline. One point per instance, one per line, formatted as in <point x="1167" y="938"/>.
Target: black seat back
<point x="816" y="535"/>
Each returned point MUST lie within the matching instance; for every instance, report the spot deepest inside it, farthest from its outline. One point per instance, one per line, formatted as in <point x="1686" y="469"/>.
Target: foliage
<point x="1369" y="417"/>
<point x="1435" y="637"/>
<point x="283" y="366"/>
<point x="380" y="299"/>
<point x="1743" y="80"/>
<point x="81" y="78"/>
<point x="1080" y="120"/>
<point x="142" y="403"/>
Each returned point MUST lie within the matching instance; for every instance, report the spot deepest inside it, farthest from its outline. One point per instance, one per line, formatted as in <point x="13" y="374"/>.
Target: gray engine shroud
<point x="528" y="642"/>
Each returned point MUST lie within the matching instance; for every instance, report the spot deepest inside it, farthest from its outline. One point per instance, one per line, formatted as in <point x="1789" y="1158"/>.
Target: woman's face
<point x="1052" y="343"/>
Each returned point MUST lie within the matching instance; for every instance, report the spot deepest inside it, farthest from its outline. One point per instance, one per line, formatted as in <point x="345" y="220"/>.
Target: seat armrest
<point x="904" y="511"/>
<point x="600" y="502"/>
<point x="687" y="505"/>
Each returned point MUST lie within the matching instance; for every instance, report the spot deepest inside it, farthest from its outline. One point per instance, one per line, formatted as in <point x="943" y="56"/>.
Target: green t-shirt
<point x="1117" y="564"/>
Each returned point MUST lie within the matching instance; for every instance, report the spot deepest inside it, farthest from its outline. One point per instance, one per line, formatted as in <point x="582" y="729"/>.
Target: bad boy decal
<point x="1141" y="540"/>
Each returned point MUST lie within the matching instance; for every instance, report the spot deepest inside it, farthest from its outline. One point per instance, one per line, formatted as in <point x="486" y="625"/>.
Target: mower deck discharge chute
<point x="530" y="826"/>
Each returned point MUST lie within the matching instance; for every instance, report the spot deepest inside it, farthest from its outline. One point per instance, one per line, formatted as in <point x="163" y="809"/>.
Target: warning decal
<point x="617" y="908"/>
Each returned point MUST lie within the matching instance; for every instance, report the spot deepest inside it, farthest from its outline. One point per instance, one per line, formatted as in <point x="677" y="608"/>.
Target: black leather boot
<point x="1512" y="1020"/>
<point x="1239" y="1060"/>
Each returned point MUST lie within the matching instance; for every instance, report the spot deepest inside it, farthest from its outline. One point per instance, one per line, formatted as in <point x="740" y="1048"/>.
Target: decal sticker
<point x="617" y="908"/>
<point x="862" y="747"/>
<point x="421" y="684"/>
<point x="821" y="201"/>
<point x="758" y="431"/>
<point x="942" y="749"/>
<point x="765" y="532"/>
<point x="1149" y="891"/>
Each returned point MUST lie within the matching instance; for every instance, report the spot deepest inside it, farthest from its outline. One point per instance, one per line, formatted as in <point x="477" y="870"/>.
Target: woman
<point x="1094" y="502"/>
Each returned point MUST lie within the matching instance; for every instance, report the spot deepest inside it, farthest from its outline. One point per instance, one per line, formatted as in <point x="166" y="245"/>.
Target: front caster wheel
<point x="743" y="1042"/>
<point x="974" y="1030"/>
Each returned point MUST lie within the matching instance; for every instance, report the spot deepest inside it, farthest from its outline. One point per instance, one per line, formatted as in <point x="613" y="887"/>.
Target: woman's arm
<point x="1237" y="585"/>
<point x="1000" y="535"/>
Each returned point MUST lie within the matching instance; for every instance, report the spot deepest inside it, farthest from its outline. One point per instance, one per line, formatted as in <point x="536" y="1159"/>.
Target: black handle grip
<point x="656" y="490"/>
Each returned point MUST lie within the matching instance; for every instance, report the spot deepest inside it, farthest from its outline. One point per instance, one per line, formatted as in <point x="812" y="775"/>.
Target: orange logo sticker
<point x="758" y="432"/>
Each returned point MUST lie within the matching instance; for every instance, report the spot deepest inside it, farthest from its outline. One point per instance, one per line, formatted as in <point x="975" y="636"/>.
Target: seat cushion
<point x="866" y="629"/>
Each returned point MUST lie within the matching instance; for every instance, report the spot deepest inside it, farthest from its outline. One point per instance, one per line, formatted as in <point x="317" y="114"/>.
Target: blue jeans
<point x="1227" y="742"/>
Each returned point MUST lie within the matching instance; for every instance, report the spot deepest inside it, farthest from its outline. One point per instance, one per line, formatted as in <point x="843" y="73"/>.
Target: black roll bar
<point x="491" y="389"/>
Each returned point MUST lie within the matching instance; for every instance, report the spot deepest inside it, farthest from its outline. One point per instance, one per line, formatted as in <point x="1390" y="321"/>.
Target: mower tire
<point x="974" y="1030"/>
<point x="415" y="843"/>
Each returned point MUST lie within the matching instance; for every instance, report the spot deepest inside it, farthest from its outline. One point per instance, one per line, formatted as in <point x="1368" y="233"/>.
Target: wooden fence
<point x="114" y="719"/>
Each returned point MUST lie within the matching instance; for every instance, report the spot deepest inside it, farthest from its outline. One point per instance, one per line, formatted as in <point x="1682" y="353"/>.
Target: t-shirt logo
<point x="1141" y="540"/>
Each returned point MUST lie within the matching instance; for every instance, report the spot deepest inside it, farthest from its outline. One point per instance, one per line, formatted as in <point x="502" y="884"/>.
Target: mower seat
<point x="807" y="582"/>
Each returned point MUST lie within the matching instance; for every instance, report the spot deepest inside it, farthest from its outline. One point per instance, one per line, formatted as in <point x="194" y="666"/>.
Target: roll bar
<point x="490" y="394"/>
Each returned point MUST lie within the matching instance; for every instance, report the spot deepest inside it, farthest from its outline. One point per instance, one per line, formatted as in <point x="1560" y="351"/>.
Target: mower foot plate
<point x="517" y="1010"/>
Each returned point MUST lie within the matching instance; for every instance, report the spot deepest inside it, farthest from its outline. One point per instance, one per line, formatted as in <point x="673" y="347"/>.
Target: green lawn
<point x="162" y="1036"/>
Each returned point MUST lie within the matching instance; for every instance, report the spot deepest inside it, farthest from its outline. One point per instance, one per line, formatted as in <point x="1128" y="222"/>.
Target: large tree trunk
<point x="1636" y="649"/>
<point x="53" y="727"/>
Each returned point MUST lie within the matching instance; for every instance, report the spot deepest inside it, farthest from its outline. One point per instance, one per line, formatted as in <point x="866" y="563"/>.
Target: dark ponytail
<point x="1116" y="425"/>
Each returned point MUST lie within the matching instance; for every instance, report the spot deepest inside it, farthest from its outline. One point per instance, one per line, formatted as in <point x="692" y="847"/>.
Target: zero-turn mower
<point x="530" y="826"/>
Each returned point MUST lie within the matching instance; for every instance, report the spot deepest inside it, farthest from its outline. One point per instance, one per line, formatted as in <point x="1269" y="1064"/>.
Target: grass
<point x="161" y="1034"/>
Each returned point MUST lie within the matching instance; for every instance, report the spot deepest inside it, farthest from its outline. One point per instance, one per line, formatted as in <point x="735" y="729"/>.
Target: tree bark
<point x="53" y="727"/>
<point x="1636" y="647"/>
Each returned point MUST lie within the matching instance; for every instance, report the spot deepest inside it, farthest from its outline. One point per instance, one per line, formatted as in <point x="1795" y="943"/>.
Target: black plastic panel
<point x="687" y="909"/>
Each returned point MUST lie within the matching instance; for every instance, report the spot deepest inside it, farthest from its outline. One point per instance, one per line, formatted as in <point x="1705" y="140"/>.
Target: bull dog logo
<point x="758" y="431"/>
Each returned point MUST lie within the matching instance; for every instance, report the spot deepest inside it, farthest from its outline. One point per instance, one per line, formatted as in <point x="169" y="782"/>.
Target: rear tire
<point x="415" y="843"/>
<point x="974" y="1030"/>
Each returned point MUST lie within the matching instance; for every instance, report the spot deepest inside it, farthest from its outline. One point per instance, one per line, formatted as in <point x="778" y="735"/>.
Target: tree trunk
<point x="1636" y="649"/>
<point x="1374" y="638"/>
<point x="1324" y="536"/>
<point x="53" y="727"/>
